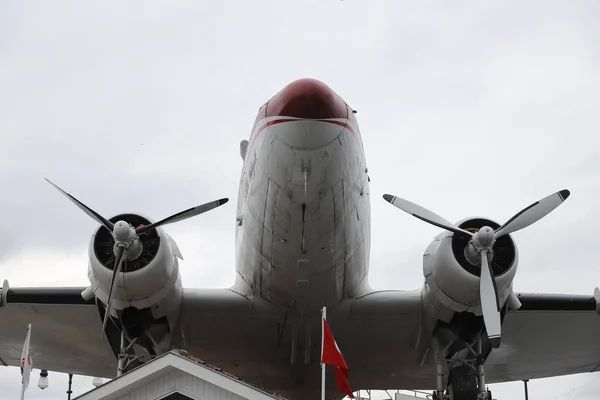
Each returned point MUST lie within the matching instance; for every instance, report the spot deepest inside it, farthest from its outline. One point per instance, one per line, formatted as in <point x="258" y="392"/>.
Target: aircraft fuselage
<point x="303" y="214"/>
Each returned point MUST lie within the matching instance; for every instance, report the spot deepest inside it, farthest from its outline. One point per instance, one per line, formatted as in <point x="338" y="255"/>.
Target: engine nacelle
<point x="452" y="282"/>
<point x="148" y="288"/>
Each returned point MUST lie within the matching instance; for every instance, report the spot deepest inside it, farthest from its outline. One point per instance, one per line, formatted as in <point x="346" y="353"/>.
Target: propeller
<point x="127" y="244"/>
<point x="480" y="248"/>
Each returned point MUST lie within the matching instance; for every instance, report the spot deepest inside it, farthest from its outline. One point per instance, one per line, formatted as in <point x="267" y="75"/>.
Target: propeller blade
<point x="97" y="217"/>
<point x="488" y="294"/>
<point x="533" y="213"/>
<point x="424" y="214"/>
<point x="180" y="216"/>
<point x="118" y="258"/>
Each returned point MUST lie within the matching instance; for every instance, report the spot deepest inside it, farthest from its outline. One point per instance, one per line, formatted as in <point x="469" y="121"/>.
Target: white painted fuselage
<point x="303" y="214"/>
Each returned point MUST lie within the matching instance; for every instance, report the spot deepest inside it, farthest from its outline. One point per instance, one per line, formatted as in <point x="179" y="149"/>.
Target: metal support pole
<point x="69" y="392"/>
<point x="439" y="368"/>
<point x="122" y="356"/>
<point x="526" y="391"/>
<point x="480" y="368"/>
<point x="440" y="376"/>
<point x="481" y="376"/>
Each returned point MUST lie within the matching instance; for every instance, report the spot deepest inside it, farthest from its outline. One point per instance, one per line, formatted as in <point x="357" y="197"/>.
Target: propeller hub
<point x="485" y="237"/>
<point x="123" y="233"/>
<point x="126" y="238"/>
<point x="483" y="240"/>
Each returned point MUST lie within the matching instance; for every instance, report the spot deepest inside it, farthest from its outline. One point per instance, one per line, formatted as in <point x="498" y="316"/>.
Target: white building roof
<point x="176" y="375"/>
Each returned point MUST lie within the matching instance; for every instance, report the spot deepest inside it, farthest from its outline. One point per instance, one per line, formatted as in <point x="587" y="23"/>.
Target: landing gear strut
<point x="125" y="358"/>
<point x="466" y="378"/>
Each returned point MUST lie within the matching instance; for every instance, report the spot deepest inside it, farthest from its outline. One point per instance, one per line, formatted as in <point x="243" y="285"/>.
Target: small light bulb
<point x="43" y="383"/>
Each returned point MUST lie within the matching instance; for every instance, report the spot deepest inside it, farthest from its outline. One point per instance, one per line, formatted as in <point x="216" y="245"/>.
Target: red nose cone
<point x="307" y="98"/>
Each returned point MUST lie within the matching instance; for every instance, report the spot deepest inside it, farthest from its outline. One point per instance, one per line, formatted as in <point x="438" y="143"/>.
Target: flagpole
<point x="324" y="316"/>
<point x="25" y="364"/>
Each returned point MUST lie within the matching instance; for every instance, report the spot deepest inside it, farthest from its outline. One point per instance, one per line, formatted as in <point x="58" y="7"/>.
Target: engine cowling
<point x="148" y="287"/>
<point x="452" y="281"/>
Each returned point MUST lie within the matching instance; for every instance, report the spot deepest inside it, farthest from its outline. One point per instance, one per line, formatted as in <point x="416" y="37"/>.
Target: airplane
<point x="302" y="242"/>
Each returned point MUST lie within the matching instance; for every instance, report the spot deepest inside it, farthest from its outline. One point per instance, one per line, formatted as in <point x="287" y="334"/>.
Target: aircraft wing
<point x="65" y="331"/>
<point x="550" y="335"/>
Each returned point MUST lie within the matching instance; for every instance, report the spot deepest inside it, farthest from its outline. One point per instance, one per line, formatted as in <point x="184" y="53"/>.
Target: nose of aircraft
<point x="307" y="98"/>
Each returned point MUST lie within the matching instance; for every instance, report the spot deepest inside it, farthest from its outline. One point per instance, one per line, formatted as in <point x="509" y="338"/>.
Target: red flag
<point x="331" y="354"/>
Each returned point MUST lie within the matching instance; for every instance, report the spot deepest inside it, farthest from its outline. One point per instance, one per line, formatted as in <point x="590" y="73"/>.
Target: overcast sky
<point x="468" y="108"/>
